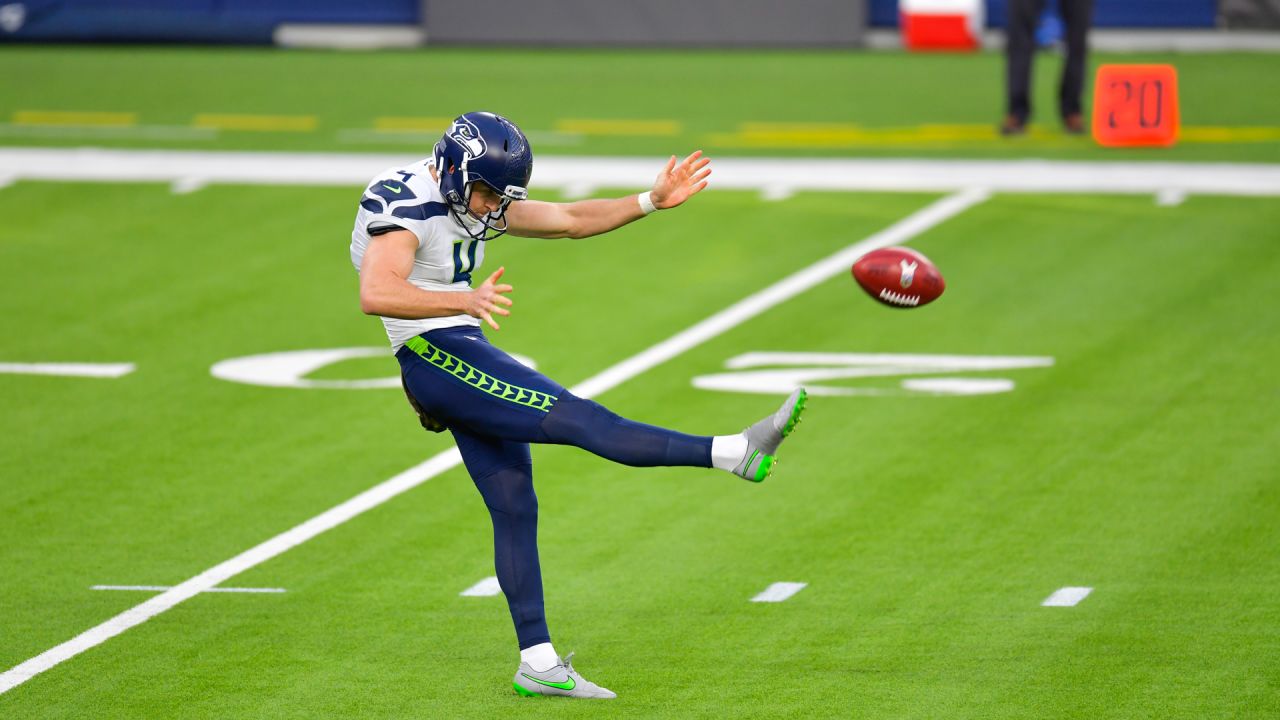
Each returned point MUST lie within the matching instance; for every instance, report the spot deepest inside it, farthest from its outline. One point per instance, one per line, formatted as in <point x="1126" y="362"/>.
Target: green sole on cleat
<point x="525" y="693"/>
<point x="795" y="414"/>
<point x="764" y="468"/>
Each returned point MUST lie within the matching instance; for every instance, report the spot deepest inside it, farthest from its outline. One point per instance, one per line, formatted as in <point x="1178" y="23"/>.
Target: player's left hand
<point x="677" y="183"/>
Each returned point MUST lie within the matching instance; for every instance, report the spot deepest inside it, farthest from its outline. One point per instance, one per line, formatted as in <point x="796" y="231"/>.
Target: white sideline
<point x="773" y="177"/>
<point x="779" y="591"/>
<point x="734" y="315"/>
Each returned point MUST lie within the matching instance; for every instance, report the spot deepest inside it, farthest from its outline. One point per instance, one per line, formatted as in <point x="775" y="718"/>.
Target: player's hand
<point x="677" y="183"/>
<point x="487" y="300"/>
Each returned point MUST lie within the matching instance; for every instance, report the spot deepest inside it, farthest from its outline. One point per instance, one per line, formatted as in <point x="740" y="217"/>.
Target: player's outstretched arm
<point x="385" y="289"/>
<point x="677" y="182"/>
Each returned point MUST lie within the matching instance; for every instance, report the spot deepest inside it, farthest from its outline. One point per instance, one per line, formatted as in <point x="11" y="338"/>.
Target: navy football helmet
<point x="488" y="148"/>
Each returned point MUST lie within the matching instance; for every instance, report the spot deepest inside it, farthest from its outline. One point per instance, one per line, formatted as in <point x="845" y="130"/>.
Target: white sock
<point x="541" y="657"/>
<point x="728" y="450"/>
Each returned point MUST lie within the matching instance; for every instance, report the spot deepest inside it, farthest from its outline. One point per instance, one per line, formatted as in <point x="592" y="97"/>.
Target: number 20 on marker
<point x="1135" y="105"/>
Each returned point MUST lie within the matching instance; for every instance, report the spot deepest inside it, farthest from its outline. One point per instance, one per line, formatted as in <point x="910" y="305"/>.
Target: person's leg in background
<point x="1020" y="48"/>
<point x="1077" y="16"/>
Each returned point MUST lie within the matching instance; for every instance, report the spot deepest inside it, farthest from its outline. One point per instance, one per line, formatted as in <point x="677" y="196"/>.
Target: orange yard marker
<point x="1135" y="105"/>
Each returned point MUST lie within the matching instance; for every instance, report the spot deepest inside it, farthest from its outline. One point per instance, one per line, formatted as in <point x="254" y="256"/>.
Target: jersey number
<point x="464" y="259"/>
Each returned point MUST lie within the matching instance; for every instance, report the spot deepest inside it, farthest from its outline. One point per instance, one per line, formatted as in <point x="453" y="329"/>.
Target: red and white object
<point x="899" y="277"/>
<point x="941" y="24"/>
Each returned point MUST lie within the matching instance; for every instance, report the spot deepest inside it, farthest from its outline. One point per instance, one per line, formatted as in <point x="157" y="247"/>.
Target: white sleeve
<point x="393" y="200"/>
<point x="378" y="218"/>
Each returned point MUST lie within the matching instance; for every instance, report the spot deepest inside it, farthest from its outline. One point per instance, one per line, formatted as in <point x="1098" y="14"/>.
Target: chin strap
<point x="461" y="214"/>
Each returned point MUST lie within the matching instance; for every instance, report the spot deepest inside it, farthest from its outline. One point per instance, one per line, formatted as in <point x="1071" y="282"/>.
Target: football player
<point x="420" y="236"/>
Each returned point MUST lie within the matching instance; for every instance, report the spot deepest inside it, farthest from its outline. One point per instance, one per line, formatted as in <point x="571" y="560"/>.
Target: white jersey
<point x="447" y="256"/>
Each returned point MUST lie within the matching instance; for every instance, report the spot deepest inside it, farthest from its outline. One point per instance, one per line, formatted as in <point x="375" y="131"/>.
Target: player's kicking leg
<point x="459" y="377"/>
<point x="760" y="442"/>
<point x="750" y="454"/>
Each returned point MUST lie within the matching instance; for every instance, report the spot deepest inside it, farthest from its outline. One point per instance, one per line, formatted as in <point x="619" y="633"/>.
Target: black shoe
<point x="1013" y="125"/>
<point x="1073" y="124"/>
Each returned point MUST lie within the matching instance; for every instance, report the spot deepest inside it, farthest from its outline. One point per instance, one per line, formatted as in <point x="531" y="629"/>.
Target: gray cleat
<point x="561" y="679"/>
<point x="764" y="437"/>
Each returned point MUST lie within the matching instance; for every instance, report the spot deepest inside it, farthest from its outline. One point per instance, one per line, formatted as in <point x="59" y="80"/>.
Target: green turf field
<point x="600" y="102"/>
<point x="929" y="529"/>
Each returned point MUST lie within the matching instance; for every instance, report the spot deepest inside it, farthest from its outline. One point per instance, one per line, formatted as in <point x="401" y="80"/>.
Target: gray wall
<point x="688" y="23"/>
<point x="1250" y="13"/>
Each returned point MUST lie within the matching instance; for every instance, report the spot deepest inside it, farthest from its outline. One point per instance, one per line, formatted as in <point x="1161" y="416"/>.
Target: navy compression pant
<point x="495" y="407"/>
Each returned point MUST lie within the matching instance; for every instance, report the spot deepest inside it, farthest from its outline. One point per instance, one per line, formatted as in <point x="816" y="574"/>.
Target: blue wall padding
<point x="197" y="20"/>
<point x="1106" y="13"/>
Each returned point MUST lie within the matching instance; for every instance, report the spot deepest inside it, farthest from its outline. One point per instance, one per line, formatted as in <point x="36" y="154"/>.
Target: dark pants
<point x="1020" y="48"/>
<point x="495" y="407"/>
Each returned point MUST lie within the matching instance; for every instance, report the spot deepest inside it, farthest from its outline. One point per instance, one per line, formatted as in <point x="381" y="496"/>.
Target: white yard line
<point x="736" y="314"/>
<point x="772" y="177"/>
<point x="1067" y="597"/>
<point x="779" y="591"/>
<point x="162" y="588"/>
<point x="99" y="370"/>
<point x="487" y="587"/>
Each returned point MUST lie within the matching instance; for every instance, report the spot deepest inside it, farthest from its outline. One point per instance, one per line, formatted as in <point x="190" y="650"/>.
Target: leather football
<point x="899" y="277"/>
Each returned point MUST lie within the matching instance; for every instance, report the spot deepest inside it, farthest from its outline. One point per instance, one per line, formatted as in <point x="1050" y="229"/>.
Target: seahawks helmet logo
<point x="467" y="135"/>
